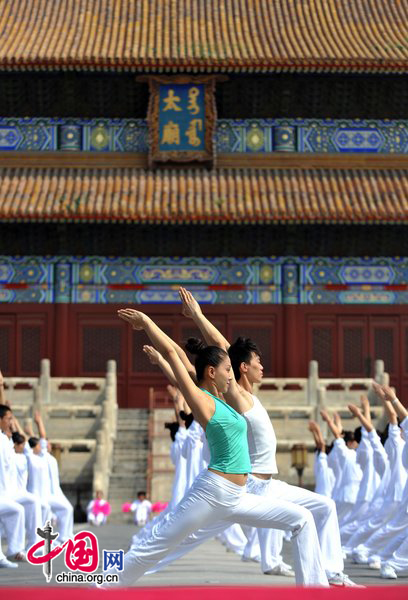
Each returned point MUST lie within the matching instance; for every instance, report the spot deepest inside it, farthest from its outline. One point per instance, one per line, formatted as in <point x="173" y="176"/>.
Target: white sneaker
<point x="281" y="569"/>
<point x="387" y="572"/>
<point x="342" y="580"/>
<point x="375" y="564"/>
<point x="359" y="557"/>
<point x="6" y="564"/>
<point x="19" y="557"/>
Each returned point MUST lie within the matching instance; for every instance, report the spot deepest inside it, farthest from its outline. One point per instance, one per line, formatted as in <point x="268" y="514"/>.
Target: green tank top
<point x="226" y="433"/>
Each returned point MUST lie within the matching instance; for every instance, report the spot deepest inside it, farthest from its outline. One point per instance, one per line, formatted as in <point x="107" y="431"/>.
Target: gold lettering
<point x="193" y="94"/>
<point x="171" y="133"/>
<point x="171" y="102"/>
<point x="195" y="126"/>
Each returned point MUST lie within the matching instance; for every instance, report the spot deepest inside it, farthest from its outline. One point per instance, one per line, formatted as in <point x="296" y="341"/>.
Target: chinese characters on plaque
<point x="181" y="119"/>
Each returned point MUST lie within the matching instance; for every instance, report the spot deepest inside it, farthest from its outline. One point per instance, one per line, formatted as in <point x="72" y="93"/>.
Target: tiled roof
<point x="199" y="196"/>
<point x="208" y="35"/>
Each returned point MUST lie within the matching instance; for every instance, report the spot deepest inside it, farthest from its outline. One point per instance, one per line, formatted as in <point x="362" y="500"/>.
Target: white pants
<point x="377" y="542"/>
<point x="33" y="516"/>
<point x="213" y="498"/>
<point x="13" y="522"/>
<point x="370" y="526"/>
<point x="399" y="558"/>
<point x="349" y="527"/>
<point x="324" y="513"/>
<point x="64" y="512"/>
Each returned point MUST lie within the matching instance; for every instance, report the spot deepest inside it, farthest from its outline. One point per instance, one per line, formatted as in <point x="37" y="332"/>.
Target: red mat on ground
<point x="211" y="593"/>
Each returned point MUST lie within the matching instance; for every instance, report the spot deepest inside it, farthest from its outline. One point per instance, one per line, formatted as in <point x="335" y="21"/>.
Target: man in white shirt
<point x="11" y="513"/>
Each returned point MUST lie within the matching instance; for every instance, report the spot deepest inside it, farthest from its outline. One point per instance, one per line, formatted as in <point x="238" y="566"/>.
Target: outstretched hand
<point x="152" y="354"/>
<point x="389" y="394"/>
<point x="190" y="304"/>
<point x="378" y="390"/>
<point x="136" y="318"/>
<point x="1" y="378"/>
<point x="173" y="392"/>
<point x="355" y="411"/>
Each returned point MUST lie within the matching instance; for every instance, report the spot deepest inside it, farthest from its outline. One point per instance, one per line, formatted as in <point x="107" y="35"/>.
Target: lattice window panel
<point x="384" y="347"/>
<point x="262" y="336"/>
<point x="406" y="350"/>
<point x="30" y="348"/>
<point x="100" y="344"/>
<point x="140" y="362"/>
<point x="353" y="359"/>
<point x="322" y="349"/>
<point x="5" y="349"/>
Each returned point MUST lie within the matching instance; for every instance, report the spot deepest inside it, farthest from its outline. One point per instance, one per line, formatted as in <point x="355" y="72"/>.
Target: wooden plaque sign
<point x="181" y="119"/>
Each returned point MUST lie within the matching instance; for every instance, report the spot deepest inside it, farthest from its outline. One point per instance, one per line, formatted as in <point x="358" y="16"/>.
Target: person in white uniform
<point x="391" y="491"/>
<point x="262" y="446"/>
<point x="386" y="544"/>
<point x="30" y="503"/>
<point x="324" y="476"/>
<point x="59" y="503"/>
<point x="344" y="451"/>
<point x="371" y="479"/>
<point x="11" y="512"/>
<point x="218" y="493"/>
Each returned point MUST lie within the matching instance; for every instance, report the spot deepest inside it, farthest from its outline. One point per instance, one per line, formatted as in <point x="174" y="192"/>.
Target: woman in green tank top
<point x="217" y="493"/>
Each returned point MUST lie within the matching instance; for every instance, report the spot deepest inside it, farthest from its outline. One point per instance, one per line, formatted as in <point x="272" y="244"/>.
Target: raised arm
<point x="334" y="428"/>
<point x="391" y="397"/>
<point x="40" y="425"/>
<point x="356" y="412"/>
<point x="317" y="435"/>
<point x="156" y="359"/>
<point x="388" y="405"/>
<point x="192" y="310"/>
<point x="199" y="402"/>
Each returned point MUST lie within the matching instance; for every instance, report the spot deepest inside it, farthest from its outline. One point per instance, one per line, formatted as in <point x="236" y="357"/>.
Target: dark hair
<point x="384" y="434"/>
<point x="141" y="494"/>
<point x="4" y="409"/>
<point x="33" y="441"/>
<point x="174" y="427"/>
<point x="349" y="436"/>
<point x="241" y="351"/>
<point x="206" y="356"/>
<point x="357" y="434"/>
<point x="17" y="437"/>
<point x="187" y="418"/>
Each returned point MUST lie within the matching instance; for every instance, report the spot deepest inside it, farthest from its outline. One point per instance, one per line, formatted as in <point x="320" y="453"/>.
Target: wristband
<point x="394" y="401"/>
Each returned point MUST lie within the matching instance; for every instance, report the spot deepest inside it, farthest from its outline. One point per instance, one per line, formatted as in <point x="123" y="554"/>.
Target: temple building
<point x="253" y="151"/>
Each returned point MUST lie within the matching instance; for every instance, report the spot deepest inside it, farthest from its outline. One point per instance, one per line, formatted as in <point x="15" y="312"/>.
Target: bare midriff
<point x="237" y="478"/>
<point x="262" y="475"/>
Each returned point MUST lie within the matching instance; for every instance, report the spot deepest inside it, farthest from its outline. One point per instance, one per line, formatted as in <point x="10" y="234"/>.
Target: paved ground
<point x="210" y="564"/>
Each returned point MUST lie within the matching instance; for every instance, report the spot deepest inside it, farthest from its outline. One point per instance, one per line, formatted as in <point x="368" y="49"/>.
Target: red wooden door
<point x="321" y="336"/>
<point x="384" y="344"/>
<point x="353" y="355"/>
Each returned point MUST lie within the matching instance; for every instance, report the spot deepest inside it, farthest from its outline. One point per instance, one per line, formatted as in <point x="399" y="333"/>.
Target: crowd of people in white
<point x="359" y="508"/>
<point x="30" y="491"/>
<point x="366" y="475"/>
